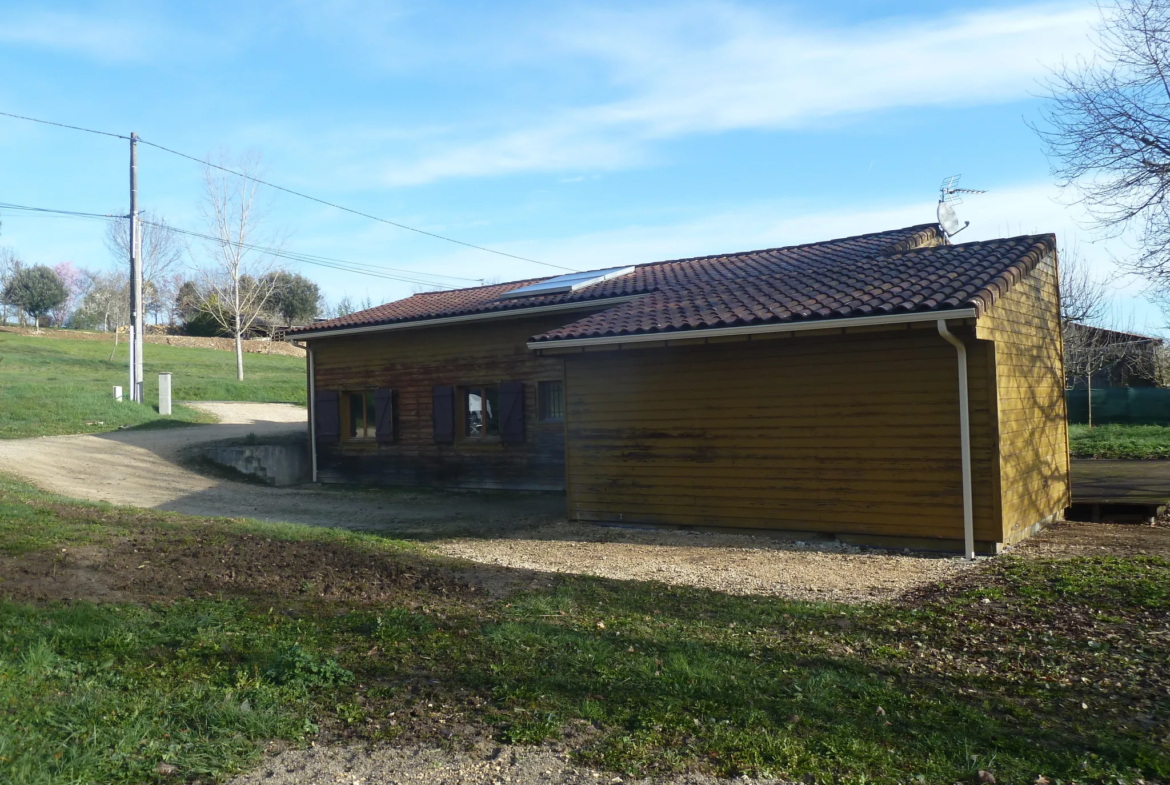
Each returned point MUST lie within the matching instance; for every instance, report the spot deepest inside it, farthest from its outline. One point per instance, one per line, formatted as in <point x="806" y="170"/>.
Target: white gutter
<point x="474" y="317"/>
<point x="312" y="412"/>
<point x="964" y="441"/>
<point x="762" y="329"/>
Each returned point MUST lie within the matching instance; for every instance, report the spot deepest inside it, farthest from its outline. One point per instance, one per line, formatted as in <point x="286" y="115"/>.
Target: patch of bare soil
<point x="1068" y="539"/>
<point x="157" y="565"/>
<point x="482" y="765"/>
<point x="732" y="563"/>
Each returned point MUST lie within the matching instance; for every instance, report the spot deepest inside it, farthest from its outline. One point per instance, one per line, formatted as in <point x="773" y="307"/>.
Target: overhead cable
<point x="299" y="194"/>
<point x="359" y="268"/>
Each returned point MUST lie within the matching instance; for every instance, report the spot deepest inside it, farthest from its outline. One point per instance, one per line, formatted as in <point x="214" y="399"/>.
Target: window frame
<point x="541" y="409"/>
<point x="368" y="411"/>
<point x="463" y="391"/>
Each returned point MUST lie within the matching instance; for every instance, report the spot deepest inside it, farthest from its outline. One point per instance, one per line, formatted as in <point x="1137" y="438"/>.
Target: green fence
<point x="1129" y="405"/>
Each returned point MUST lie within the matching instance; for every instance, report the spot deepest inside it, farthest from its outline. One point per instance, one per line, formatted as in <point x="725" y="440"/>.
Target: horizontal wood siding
<point x="850" y="433"/>
<point x="413" y="362"/>
<point x="1033" y="450"/>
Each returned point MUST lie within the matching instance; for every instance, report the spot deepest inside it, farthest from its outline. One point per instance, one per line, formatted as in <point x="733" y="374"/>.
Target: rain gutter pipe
<point x="965" y="441"/>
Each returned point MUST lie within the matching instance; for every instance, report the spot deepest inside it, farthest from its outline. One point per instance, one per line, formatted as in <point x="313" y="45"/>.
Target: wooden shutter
<point x="384" y="415"/>
<point x="327" y="409"/>
<point x="512" y="411"/>
<point x="443" y="414"/>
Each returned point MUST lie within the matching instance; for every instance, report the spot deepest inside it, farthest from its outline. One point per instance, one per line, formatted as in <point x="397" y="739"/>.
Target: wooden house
<point x="889" y="388"/>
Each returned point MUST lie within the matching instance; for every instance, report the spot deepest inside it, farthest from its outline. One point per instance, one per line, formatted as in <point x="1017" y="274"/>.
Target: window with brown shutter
<point x="359" y="415"/>
<point x="384" y="415"/>
<point x="512" y="411"/>
<point x="480" y="406"/>
<point x="443" y="414"/>
<point x="327" y="415"/>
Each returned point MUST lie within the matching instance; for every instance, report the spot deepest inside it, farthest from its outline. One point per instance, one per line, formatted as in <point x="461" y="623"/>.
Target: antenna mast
<point x="949" y="196"/>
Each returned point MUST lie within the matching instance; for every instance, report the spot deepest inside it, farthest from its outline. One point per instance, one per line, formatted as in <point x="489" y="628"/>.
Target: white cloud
<point x="715" y="68"/>
<point x="108" y="40"/>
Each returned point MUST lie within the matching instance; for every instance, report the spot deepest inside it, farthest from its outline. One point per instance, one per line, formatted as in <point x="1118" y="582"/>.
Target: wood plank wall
<point x="412" y="362"/>
<point x="1034" y="462"/>
<point x="851" y="433"/>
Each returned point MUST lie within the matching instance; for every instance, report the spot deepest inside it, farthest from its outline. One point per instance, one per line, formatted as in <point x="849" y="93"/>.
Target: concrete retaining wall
<point x="276" y="464"/>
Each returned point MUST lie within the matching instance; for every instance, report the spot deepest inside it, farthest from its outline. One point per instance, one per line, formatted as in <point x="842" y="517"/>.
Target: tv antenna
<point x="950" y="194"/>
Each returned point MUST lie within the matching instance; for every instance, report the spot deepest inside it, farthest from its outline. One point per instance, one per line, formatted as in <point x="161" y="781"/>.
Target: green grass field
<point x="1041" y="667"/>
<point x="55" y="385"/>
<point x="1119" y="441"/>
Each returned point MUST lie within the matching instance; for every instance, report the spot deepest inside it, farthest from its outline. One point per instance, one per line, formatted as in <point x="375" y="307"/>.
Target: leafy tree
<point x="187" y="301"/>
<point x="35" y="290"/>
<point x="295" y="299"/>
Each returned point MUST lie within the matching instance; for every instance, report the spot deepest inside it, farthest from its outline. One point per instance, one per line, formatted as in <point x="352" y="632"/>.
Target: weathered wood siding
<point x="1033" y="431"/>
<point x="848" y="433"/>
<point x="412" y="362"/>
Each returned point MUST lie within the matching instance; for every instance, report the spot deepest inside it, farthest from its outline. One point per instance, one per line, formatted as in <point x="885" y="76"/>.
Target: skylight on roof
<point x="567" y="283"/>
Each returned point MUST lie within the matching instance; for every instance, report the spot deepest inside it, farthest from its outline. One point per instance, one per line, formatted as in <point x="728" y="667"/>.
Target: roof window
<point x="567" y="283"/>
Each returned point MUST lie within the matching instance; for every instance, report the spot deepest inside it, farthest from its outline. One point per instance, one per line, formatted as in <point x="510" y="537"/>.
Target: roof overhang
<point x="758" y="329"/>
<point x="471" y="317"/>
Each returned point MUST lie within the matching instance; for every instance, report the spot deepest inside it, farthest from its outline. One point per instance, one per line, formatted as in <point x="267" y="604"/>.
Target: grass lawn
<point x="225" y="634"/>
<point x="51" y="386"/>
<point x="1119" y="441"/>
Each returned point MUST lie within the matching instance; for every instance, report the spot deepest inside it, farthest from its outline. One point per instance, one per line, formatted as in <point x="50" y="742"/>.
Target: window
<point x="481" y="412"/>
<point x="361" y="416"/>
<point x="552" y="400"/>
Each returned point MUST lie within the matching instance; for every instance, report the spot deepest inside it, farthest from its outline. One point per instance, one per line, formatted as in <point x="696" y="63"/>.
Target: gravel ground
<point x="144" y="468"/>
<point x="733" y="563"/>
<point x="385" y="765"/>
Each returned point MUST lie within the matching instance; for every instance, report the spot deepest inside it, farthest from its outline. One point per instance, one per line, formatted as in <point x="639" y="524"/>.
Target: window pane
<point x="371" y="417"/>
<point x="473" y="412"/>
<point x="552" y="406"/>
<point x="356" y="410"/>
<point x="492" y="410"/>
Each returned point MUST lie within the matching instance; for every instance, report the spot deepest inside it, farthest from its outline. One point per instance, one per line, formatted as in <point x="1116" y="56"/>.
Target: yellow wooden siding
<point x="1033" y="450"/>
<point x="844" y="433"/>
<point x="412" y="362"/>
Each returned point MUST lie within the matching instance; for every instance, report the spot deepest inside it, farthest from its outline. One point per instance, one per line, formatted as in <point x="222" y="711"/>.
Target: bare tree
<point x="106" y="303"/>
<point x="1084" y="299"/>
<point x="235" y="286"/>
<point x="1107" y="128"/>
<point x="162" y="249"/>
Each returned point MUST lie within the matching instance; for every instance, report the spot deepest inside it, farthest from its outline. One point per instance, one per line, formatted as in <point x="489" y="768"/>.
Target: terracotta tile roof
<point x="887" y="272"/>
<point x="646" y="278"/>
<point x="940" y="278"/>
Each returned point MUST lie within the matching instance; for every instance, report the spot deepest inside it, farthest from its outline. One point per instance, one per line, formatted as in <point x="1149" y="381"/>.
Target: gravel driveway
<point x="732" y="563"/>
<point x="143" y="468"/>
<point x="387" y="765"/>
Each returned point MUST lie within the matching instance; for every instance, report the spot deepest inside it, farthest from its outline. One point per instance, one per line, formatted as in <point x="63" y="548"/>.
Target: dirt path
<point x="384" y="764"/>
<point x="143" y="468"/>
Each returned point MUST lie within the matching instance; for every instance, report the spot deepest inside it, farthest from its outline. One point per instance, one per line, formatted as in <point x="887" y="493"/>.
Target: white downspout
<point x="312" y="411"/>
<point x="965" y="441"/>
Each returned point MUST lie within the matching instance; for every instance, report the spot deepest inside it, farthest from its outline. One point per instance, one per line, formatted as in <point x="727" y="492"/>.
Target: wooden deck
<point x="1119" y="490"/>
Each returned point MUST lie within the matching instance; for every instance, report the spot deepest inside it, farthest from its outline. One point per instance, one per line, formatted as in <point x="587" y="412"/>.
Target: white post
<point x="117" y="393"/>
<point x="164" y="394"/>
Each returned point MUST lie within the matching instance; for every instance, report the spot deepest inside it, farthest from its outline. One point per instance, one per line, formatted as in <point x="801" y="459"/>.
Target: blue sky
<point x="580" y="134"/>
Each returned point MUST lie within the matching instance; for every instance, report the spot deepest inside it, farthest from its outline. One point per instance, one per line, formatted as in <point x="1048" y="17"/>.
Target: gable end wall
<point x="1029" y="370"/>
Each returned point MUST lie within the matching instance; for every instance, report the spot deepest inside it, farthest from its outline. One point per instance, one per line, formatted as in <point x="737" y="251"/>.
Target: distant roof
<point x="896" y="271"/>
<point x="1103" y="334"/>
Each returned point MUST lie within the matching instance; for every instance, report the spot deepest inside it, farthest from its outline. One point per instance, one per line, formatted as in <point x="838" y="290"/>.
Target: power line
<point x="62" y="125"/>
<point x="347" y="209"/>
<point x="341" y="265"/>
<point x="294" y="193"/>
<point x="319" y="261"/>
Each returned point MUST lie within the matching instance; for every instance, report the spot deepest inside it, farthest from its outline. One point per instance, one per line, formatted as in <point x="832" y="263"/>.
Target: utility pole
<point x="136" y="331"/>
